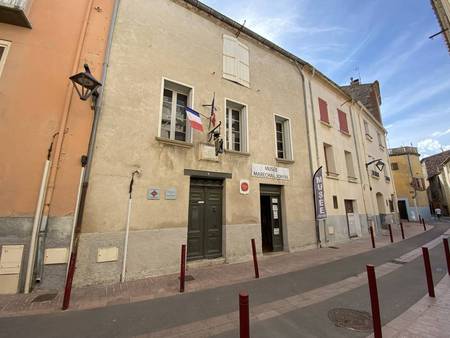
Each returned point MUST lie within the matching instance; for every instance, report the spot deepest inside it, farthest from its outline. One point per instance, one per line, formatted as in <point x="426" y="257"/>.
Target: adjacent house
<point x="442" y="10"/>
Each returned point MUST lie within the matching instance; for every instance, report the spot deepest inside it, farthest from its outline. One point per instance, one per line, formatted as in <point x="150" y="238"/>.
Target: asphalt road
<point x="127" y="320"/>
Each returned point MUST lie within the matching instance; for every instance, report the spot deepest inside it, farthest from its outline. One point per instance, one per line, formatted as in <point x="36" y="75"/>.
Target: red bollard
<point x="372" y="236"/>
<point x="68" y="287"/>
<point x="390" y="233"/>
<point x="447" y="254"/>
<point x="424" y="226"/>
<point x="426" y="261"/>
<point x="403" y="232"/>
<point x="255" y="259"/>
<point x="420" y="219"/>
<point x="244" y="316"/>
<point x="183" y="267"/>
<point x="376" y="318"/>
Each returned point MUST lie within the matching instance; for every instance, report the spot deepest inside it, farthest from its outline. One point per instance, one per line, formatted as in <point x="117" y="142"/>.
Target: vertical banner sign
<point x="319" y="195"/>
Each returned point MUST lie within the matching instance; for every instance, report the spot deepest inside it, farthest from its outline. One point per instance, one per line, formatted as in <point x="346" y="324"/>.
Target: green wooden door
<point x="205" y="219"/>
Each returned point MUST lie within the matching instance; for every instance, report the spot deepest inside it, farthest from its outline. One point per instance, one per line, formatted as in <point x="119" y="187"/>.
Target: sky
<point x="382" y="40"/>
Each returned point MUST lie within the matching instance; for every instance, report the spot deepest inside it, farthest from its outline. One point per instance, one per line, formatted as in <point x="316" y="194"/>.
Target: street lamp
<point x="85" y="84"/>
<point x="380" y="166"/>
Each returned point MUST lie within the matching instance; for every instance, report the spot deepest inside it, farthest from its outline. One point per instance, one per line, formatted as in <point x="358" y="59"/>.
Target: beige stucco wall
<point x="163" y="39"/>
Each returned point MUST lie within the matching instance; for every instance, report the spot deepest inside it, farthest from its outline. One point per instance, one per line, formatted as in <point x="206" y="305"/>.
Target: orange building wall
<point x="34" y="88"/>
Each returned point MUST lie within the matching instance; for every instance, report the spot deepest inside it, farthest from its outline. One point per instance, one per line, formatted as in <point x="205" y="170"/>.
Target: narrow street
<point x="276" y="303"/>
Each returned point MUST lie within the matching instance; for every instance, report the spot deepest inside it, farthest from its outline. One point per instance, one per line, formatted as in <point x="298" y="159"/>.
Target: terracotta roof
<point x="434" y="163"/>
<point x="368" y="94"/>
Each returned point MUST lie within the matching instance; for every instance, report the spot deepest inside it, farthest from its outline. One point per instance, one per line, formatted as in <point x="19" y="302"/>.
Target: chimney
<point x="354" y="82"/>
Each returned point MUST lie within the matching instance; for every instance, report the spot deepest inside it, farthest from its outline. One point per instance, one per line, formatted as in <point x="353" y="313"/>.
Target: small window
<point x="236" y="61"/>
<point x="236" y="126"/>
<point x="366" y="128"/>
<point x="329" y="160"/>
<point x="283" y="138"/>
<point x="174" y="125"/>
<point x="343" y="125"/>
<point x="394" y="166"/>
<point x="323" y="109"/>
<point x="350" y="166"/>
<point x="4" y="48"/>
<point x="391" y="206"/>
<point x="380" y="140"/>
<point x="335" y="202"/>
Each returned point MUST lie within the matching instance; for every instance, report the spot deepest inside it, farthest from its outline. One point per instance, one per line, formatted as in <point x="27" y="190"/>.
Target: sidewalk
<point x="204" y="278"/>
<point x="429" y="317"/>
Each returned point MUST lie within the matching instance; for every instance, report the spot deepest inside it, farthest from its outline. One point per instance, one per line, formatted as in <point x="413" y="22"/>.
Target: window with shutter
<point x="323" y="109"/>
<point x="4" y="46"/>
<point x="236" y="63"/>
<point x="343" y="126"/>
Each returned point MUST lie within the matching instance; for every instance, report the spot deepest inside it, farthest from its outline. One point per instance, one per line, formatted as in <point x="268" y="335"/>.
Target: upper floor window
<point x="394" y="166"/>
<point x="343" y="125"/>
<point x="174" y="125"/>
<point x="349" y="163"/>
<point x="4" y="48"/>
<point x="323" y="109"/>
<point x="380" y="140"/>
<point x="236" y="126"/>
<point x="329" y="159"/>
<point x="366" y="128"/>
<point x="236" y="63"/>
<point x="283" y="138"/>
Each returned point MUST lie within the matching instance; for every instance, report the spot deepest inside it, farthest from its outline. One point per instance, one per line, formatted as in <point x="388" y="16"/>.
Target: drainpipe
<point x="311" y="165"/>
<point x="85" y="181"/>
<point x="359" y="162"/>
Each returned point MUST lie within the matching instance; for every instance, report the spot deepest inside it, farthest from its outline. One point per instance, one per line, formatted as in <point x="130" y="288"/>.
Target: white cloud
<point x="441" y="133"/>
<point x="431" y="146"/>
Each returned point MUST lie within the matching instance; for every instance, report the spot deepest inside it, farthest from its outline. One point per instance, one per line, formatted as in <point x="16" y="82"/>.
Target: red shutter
<point x="323" y="111"/>
<point x="343" y="126"/>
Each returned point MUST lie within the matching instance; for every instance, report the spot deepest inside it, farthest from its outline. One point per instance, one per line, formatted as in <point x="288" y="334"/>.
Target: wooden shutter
<point x="323" y="108"/>
<point x="230" y="70"/>
<point x="243" y="64"/>
<point x="343" y="126"/>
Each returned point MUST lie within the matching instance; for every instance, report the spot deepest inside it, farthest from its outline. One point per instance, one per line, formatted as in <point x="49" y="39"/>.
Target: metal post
<point x="420" y="219"/>
<point x="244" y="316"/>
<point x="426" y="261"/>
<point x="376" y="318"/>
<point x="68" y="287"/>
<point x="424" y="226"/>
<point x="183" y="267"/>
<point x="372" y="236"/>
<point x="447" y="254"/>
<point x="403" y="232"/>
<point x="390" y="233"/>
<point x="255" y="259"/>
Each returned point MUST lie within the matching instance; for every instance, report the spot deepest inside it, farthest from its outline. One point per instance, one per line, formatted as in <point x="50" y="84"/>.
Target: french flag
<point x="194" y="118"/>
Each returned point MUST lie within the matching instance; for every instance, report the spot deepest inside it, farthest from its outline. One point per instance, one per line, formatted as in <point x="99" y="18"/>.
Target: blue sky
<point x="381" y="40"/>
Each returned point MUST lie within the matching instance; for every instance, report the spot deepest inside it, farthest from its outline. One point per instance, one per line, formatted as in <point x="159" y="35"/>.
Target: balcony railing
<point x="15" y="12"/>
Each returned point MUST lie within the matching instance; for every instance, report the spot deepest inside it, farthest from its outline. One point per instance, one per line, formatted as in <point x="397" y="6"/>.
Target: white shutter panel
<point x="230" y="71"/>
<point x="243" y="65"/>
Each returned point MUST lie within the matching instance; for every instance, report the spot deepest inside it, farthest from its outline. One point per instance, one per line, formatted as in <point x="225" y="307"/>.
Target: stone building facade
<point x="437" y="172"/>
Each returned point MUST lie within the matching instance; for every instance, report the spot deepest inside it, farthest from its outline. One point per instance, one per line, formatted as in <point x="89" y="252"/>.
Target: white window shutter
<point x="243" y="65"/>
<point x="230" y="70"/>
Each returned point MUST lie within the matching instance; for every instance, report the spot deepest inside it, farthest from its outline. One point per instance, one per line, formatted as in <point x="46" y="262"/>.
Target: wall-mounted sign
<point x="153" y="194"/>
<point x="319" y="195"/>
<point x="244" y="187"/>
<point x="171" y="194"/>
<point x="276" y="231"/>
<point x="268" y="171"/>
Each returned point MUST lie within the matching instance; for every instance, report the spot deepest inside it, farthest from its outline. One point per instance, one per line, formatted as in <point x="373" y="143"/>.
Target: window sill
<point x="175" y="143"/>
<point x="346" y="133"/>
<point x="326" y="124"/>
<point x="381" y="147"/>
<point x="235" y="152"/>
<point x="333" y="176"/>
<point x="352" y="179"/>
<point x="285" y="161"/>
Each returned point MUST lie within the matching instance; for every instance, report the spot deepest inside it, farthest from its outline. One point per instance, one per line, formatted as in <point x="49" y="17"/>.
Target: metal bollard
<point x="426" y="261"/>
<point x="376" y="318"/>
<point x="255" y="258"/>
<point x="390" y="233"/>
<point x="420" y="219"/>
<point x="68" y="287"/>
<point x="403" y="232"/>
<point x="447" y="254"/>
<point x="183" y="267"/>
<point x="424" y="226"/>
<point x="244" y="316"/>
<point x="372" y="236"/>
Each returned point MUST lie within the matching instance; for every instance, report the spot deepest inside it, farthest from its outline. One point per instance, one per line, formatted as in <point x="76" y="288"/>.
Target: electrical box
<point x="331" y="230"/>
<point x="56" y="256"/>
<point x="110" y="254"/>
<point x="11" y="259"/>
